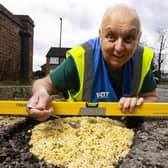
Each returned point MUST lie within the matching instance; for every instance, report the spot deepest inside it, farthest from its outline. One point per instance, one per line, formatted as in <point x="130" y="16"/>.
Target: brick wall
<point x="11" y="43"/>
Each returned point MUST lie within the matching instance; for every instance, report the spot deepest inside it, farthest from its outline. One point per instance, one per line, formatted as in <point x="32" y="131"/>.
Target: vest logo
<point x="101" y="95"/>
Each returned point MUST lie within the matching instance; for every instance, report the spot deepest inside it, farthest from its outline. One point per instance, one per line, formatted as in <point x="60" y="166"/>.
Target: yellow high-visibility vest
<point x="79" y="55"/>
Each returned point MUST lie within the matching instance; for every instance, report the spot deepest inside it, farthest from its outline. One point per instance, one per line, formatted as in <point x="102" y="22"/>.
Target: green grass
<point x="10" y="82"/>
<point x="163" y="83"/>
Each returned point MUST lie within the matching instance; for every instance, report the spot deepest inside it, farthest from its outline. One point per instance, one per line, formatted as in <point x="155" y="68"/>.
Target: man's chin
<point x="116" y="66"/>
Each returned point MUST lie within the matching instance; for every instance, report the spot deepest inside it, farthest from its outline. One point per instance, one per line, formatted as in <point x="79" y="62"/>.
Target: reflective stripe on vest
<point x="148" y="55"/>
<point x="78" y="54"/>
<point x="83" y="57"/>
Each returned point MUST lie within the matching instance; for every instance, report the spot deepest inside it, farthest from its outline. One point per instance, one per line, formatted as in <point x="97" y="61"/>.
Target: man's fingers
<point x="140" y="101"/>
<point x="127" y="104"/>
<point x="124" y="103"/>
<point x="40" y="115"/>
<point x="133" y="103"/>
<point x="33" y="101"/>
<point x="121" y="102"/>
<point x="43" y="102"/>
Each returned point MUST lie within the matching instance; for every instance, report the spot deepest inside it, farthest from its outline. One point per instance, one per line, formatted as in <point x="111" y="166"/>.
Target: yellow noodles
<point x="81" y="142"/>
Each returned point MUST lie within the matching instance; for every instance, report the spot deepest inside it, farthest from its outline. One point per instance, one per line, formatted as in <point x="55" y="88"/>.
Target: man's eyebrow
<point x="110" y="28"/>
<point x="132" y="31"/>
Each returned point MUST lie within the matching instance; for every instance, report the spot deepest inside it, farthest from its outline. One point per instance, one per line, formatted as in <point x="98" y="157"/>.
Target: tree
<point x="160" y="51"/>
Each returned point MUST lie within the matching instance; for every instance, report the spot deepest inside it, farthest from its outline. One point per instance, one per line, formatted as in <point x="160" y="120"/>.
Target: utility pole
<point x="60" y="32"/>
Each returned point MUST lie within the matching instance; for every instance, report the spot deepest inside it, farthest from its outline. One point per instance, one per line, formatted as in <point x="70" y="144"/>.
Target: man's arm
<point x="55" y="81"/>
<point x="43" y="83"/>
<point x="150" y="96"/>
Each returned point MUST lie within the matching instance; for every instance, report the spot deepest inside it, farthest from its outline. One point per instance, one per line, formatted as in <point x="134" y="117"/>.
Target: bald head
<point x="123" y="14"/>
<point x="119" y="35"/>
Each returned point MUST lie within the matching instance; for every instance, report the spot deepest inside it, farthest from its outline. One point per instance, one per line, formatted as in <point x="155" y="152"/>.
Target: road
<point x="163" y="92"/>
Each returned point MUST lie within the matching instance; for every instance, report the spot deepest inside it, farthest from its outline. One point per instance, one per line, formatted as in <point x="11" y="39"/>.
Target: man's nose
<point x="119" y="45"/>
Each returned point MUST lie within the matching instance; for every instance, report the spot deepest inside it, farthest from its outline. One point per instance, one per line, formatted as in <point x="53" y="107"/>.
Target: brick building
<point x="16" y="46"/>
<point x="54" y="57"/>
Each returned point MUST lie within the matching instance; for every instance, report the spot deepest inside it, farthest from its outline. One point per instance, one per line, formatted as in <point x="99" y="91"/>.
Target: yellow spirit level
<point x="84" y="108"/>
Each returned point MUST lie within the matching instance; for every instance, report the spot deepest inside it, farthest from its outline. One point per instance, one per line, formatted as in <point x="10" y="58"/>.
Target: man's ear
<point x="99" y="32"/>
<point x="139" y="35"/>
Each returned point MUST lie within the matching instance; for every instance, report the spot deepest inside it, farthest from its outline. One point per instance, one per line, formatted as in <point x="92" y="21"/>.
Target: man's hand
<point x="38" y="105"/>
<point x="128" y="104"/>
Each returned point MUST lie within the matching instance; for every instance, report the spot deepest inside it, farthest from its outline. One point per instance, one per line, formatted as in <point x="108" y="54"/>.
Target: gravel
<point x="150" y="148"/>
<point x="14" y="147"/>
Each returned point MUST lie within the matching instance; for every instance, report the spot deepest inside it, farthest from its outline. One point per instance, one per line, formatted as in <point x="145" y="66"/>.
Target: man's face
<point x="119" y="38"/>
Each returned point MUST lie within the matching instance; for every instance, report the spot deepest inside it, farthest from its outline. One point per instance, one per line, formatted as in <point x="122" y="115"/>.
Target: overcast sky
<point x="80" y="20"/>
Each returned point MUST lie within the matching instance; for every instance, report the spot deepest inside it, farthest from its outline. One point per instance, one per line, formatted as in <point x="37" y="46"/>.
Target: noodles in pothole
<point x="81" y="142"/>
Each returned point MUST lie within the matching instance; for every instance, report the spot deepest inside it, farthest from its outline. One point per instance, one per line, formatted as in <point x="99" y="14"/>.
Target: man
<point x="111" y="67"/>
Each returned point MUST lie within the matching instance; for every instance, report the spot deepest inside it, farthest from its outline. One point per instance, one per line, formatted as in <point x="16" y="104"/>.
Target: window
<point x="54" y="60"/>
<point x="62" y="59"/>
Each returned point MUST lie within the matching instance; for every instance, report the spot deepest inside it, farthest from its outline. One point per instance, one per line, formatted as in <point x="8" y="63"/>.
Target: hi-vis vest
<point x="83" y="58"/>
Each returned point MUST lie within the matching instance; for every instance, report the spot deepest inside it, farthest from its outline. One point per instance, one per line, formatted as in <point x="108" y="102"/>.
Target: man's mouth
<point x="118" y="56"/>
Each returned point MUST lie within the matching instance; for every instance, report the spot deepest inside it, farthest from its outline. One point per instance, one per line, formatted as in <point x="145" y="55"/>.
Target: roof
<point x="16" y="18"/>
<point x="57" y="52"/>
